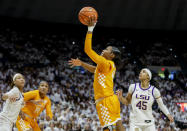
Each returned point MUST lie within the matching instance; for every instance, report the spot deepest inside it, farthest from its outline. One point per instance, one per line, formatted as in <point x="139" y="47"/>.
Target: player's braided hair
<point x="117" y="58"/>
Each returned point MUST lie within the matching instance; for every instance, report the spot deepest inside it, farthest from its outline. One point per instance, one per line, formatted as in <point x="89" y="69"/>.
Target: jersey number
<point x="142" y="105"/>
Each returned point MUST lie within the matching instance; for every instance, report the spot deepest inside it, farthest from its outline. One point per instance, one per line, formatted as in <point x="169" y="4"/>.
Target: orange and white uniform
<point x="107" y="103"/>
<point x="34" y="105"/>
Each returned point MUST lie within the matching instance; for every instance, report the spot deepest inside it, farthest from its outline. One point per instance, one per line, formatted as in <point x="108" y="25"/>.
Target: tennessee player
<point x="35" y="102"/>
<point x="107" y="103"/>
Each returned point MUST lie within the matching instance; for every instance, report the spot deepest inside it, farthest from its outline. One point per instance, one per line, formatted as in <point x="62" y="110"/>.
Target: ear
<point x="148" y="78"/>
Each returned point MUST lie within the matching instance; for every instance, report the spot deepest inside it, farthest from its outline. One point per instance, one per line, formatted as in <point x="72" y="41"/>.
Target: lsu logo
<point x="142" y="97"/>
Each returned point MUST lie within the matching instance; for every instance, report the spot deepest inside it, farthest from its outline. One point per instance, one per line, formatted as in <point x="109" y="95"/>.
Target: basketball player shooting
<point x="107" y="103"/>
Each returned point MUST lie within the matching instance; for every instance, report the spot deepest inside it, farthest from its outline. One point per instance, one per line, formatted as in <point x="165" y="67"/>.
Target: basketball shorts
<point x="26" y="124"/>
<point x="134" y="127"/>
<point x="108" y="110"/>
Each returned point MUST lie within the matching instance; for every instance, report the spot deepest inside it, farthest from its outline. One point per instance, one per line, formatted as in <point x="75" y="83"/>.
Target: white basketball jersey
<point x="11" y="109"/>
<point x="142" y="101"/>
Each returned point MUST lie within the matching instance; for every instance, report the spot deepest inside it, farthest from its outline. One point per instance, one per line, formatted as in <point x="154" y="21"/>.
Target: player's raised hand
<point x="170" y="118"/>
<point x="74" y="62"/>
<point x="92" y="20"/>
<point x="91" y="23"/>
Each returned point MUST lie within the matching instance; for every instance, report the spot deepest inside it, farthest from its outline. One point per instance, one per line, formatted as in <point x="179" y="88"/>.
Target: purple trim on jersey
<point x="134" y="88"/>
<point x="142" y="88"/>
<point x="152" y="92"/>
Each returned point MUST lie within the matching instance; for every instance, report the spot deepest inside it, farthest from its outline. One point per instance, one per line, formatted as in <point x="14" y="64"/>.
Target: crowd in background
<point x="44" y="57"/>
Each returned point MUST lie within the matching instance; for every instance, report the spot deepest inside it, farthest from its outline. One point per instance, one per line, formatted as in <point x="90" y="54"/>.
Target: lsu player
<point x="14" y="102"/>
<point x="141" y="96"/>
<point x="35" y="102"/>
<point x="107" y="103"/>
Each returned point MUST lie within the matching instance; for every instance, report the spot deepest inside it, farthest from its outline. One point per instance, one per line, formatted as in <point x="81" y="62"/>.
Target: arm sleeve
<point x="99" y="60"/>
<point x="48" y="109"/>
<point x="162" y="106"/>
<point x="131" y="88"/>
<point x="29" y="95"/>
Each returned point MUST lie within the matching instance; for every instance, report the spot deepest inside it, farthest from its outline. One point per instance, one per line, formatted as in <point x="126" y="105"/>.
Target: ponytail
<point x="12" y="84"/>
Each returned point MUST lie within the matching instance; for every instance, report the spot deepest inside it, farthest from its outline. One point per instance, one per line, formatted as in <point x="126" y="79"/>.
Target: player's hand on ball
<point x="170" y="118"/>
<point x="74" y="62"/>
<point x="92" y="21"/>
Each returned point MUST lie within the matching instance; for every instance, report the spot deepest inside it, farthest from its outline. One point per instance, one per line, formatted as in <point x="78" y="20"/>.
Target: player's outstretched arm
<point x="11" y="95"/>
<point x="161" y="105"/>
<point x="164" y="109"/>
<point x="124" y="100"/>
<point x="88" y="47"/>
<point x="77" y="62"/>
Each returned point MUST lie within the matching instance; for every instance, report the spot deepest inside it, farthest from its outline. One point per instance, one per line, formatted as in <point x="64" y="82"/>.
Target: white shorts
<point x="5" y="124"/>
<point x="134" y="127"/>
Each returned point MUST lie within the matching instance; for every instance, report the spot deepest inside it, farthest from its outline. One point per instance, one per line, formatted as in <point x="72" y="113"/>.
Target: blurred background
<point x="38" y="37"/>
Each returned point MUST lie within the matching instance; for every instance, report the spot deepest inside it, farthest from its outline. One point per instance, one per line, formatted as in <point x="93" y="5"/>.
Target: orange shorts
<point x="26" y="124"/>
<point x="108" y="110"/>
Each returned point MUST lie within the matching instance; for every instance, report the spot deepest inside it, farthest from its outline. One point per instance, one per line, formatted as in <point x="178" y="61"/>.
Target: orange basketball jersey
<point x="104" y="73"/>
<point x="103" y="81"/>
<point x="35" y="105"/>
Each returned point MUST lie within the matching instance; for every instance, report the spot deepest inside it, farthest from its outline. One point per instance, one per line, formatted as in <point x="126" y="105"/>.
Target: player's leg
<point x="115" y="109"/>
<point x="108" y="111"/>
<point x="119" y="126"/>
<point x="150" y="128"/>
<point x="23" y="125"/>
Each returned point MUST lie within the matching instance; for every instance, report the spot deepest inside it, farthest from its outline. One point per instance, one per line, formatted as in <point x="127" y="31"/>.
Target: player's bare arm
<point x="10" y="97"/>
<point x="125" y="100"/>
<point x="77" y="62"/>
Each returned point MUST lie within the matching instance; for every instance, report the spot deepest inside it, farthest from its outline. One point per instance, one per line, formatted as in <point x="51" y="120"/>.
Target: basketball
<point x="86" y="13"/>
